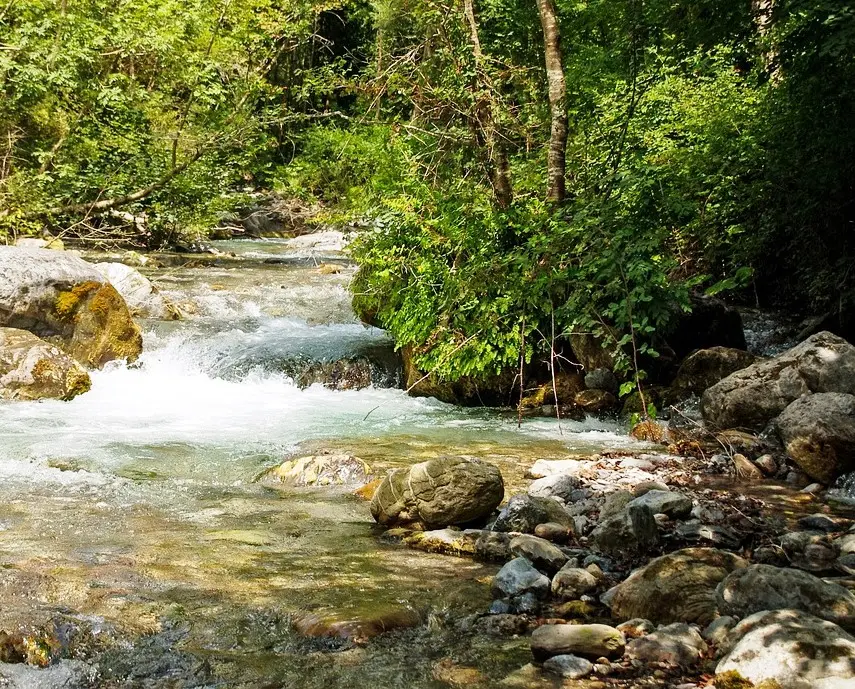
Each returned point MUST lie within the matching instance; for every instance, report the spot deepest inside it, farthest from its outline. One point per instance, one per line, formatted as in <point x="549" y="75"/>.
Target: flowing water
<point x="135" y="506"/>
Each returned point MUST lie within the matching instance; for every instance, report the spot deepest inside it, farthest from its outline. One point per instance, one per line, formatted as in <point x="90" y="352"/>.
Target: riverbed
<point x="136" y="510"/>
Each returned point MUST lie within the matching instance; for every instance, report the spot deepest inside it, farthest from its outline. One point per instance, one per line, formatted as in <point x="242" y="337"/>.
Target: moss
<point x="77" y="381"/>
<point x="732" y="680"/>
<point x="68" y="301"/>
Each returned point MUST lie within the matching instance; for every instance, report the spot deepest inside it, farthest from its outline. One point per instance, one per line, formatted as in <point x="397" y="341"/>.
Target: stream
<point x="135" y="508"/>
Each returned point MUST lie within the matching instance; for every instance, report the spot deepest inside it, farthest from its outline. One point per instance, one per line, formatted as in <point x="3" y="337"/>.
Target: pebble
<point x="568" y="666"/>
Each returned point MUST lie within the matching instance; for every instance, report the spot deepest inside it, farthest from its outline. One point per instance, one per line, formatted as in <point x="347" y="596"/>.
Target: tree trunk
<point x="557" y="158"/>
<point x="486" y="109"/>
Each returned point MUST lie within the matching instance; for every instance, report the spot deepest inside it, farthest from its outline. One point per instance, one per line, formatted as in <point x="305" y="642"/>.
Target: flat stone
<point x="568" y="666"/>
<point x="586" y="640"/>
<point x="554" y="486"/>
<point x="675" y="505"/>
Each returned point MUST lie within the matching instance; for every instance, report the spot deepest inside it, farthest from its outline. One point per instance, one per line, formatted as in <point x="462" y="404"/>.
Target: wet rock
<point x="675" y="505"/>
<point x="557" y="533"/>
<point x="846" y="564"/>
<point x="64" y="300"/>
<point x="503" y="624"/>
<point x="586" y="640"/>
<point x="819" y="433"/>
<point x="323" y="470"/>
<point x="518" y="577"/>
<point x="142" y="297"/>
<point x="32" y="369"/>
<point x="445" y="541"/>
<point x="540" y="552"/>
<point x="571" y="583"/>
<point x="555" y="486"/>
<point x="66" y="674"/>
<point x="595" y="401"/>
<point x="524" y="512"/>
<point x="445" y="491"/>
<point x="763" y="587"/>
<point x="678" y="587"/>
<point x="493" y="546"/>
<point x="602" y="379"/>
<point x="676" y="644"/>
<point x="568" y="666"/>
<point x="793" y="648"/>
<point x="632" y="531"/>
<point x="752" y="397"/>
<point x="634" y="628"/>
<point x="706" y="367"/>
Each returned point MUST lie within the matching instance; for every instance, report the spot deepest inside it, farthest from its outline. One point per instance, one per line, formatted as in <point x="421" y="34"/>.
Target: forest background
<point x="521" y="169"/>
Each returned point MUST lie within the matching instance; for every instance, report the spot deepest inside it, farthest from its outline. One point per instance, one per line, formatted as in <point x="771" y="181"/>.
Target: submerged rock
<point x="752" y="397"/>
<point x="586" y="640"/>
<point x="764" y="587"/>
<point x="32" y="369"/>
<point x="678" y="587"/>
<point x="445" y="491"/>
<point x="819" y="434"/>
<point x="358" y="625"/>
<point x="793" y="648"/>
<point x="323" y="470"/>
<point x="66" y="301"/>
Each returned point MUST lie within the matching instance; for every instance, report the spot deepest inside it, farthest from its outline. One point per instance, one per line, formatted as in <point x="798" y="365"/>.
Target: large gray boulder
<point x="792" y="648"/>
<point x="142" y="297"/>
<point x="64" y="300"/>
<point x="818" y="432"/>
<point x="32" y="369"/>
<point x="764" y="587"/>
<point x="752" y="397"/>
<point x="678" y="587"/>
<point x="445" y="491"/>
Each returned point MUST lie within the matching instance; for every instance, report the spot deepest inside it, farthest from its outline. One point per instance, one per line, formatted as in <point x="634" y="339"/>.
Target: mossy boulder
<point x="678" y="587"/>
<point x="32" y="369"/>
<point x="445" y="491"/>
<point x="64" y="300"/>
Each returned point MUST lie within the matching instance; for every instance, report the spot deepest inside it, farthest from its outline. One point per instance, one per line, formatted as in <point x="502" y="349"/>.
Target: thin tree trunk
<point x="486" y="109"/>
<point x="556" y="164"/>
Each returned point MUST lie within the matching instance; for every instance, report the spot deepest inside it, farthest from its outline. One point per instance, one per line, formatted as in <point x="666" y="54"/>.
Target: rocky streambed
<point x="197" y="516"/>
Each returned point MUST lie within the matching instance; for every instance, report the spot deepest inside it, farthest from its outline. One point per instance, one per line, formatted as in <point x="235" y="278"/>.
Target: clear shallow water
<point x="137" y="502"/>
